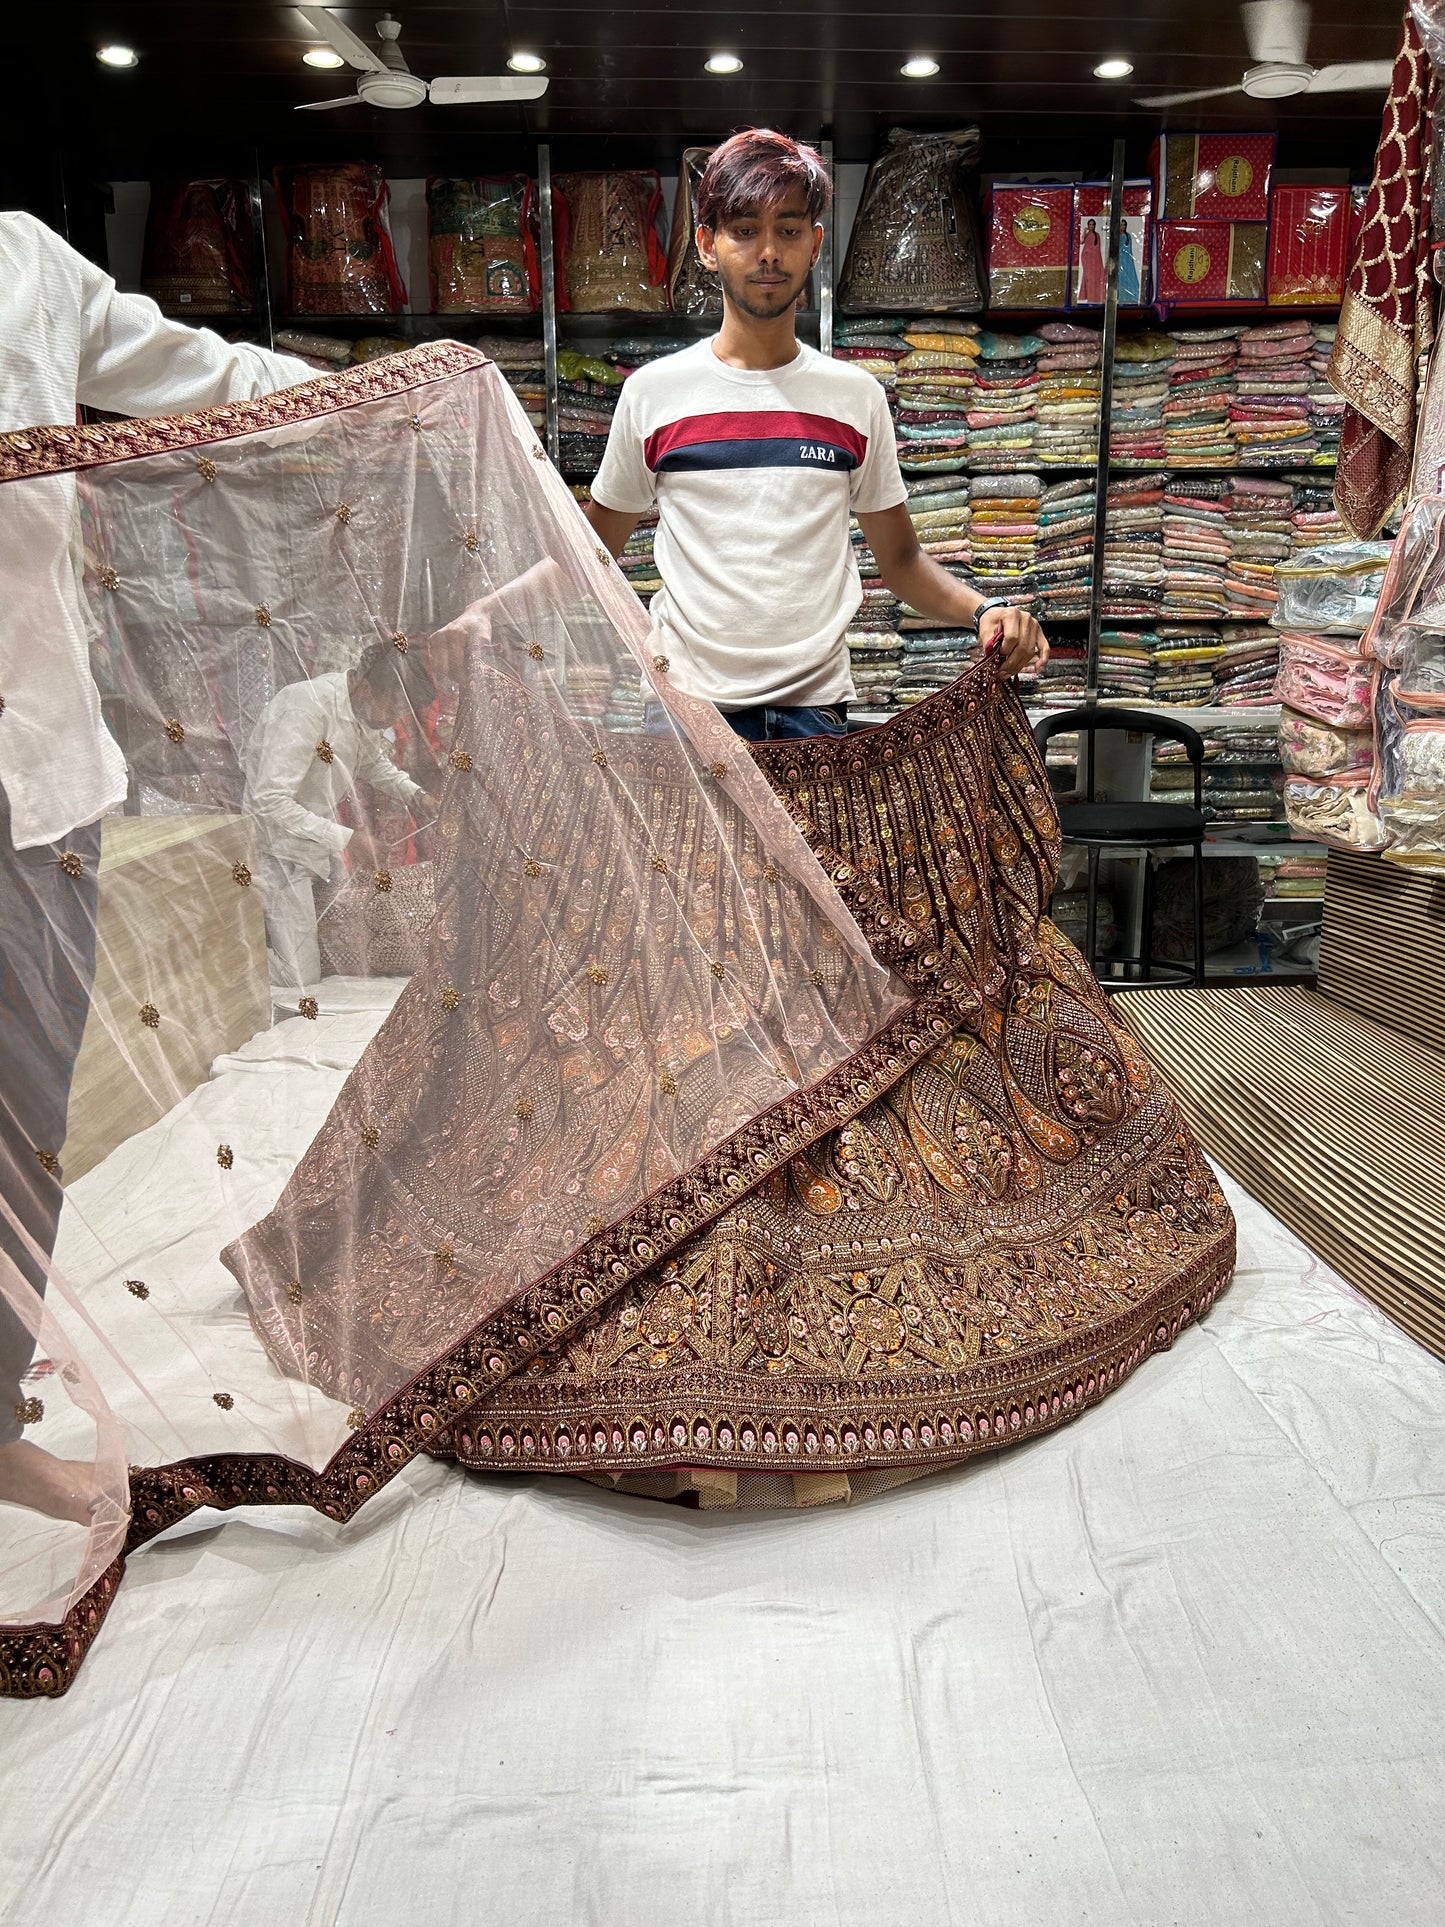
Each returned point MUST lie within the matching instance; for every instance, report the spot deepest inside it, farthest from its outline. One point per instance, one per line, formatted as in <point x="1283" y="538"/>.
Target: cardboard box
<point x="1090" y="248"/>
<point x="1212" y="177"/>
<point x="1028" y="245"/>
<point x="1308" y="232"/>
<point x="1208" y="261"/>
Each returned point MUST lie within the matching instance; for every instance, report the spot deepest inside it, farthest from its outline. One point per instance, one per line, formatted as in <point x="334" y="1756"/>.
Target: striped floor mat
<point x="1332" y="1120"/>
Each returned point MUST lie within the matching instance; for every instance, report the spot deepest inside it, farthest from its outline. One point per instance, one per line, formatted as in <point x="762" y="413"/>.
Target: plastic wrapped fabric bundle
<point x="1331" y="591"/>
<point x="1338" y="813"/>
<point x="609" y="252"/>
<point x="339" y="254"/>
<point x="691" y="289"/>
<point x="1324" y="680"/>
<point x="677" y="1002"/>
<point x="914" y="246"/>
<point x="199" y="249"/>
<point x="480" y="245"/>
<point x="1308" y="747"/>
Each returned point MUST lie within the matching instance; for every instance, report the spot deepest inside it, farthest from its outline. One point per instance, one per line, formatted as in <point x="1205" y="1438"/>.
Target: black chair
<point x="1103" y="826"/>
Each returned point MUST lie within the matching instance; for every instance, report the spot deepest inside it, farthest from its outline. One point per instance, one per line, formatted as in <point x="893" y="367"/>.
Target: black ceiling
<point x="217" y="77"/>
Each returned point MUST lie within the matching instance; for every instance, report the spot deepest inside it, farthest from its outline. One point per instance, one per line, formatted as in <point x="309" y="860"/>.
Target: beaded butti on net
<point x="422" y="1061"/>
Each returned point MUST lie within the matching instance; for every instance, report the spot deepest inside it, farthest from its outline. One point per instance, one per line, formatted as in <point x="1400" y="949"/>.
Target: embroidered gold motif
<point x="532" y="867"/>
<point x="718" y="970"/>
<point x="206" y="468"/>
<point x="770" y="872"/>
<point x="449" y="999"/>
<point x="470" y="542"/>
<point x="382" y="880"/>
<point x="659" y="863"/>
<point x="175" y="729"/>
<point x="400" y="641"/>
<point x="526" y="1109"/>
<point x="599" y="757"/>
<point x="71" y="863"/>
<point x="308" y="1007"/>
<point x="356" y="1418"/>
<point x="138" y="1288"/>
<point x="225" y="1156"/>
<point x="48" y="1161"/>
<point x="325" y="752"/>
<point x="596" y="1225"/>
<point x="263" y="616"/>
<point x="604" y="556"/>
<point x="294" y="1292"/>
<point x="108" y="577"/>
<point x="460" y="759"/>
<point x="241" y="873"/>
<point x="343" y="514"/>
<point x="29" y="1411"/>
<point x="416" y="424"/>
<point x="223" y="1399"/>
<point x="817" y="978"/>
<point x="662" y="664"/>
<point x="150" y="1016"/>
<point x="370" y="1136"/>
<point x="717" y="769"/>
<point x="667" y="1084"/>
<point x="444" y="1254"/>
<point x="535" y="651"/>
<point x="597" y="973"/>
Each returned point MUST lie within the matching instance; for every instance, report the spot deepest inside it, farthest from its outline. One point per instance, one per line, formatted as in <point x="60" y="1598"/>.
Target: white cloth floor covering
<point x="1182" y="1661"/>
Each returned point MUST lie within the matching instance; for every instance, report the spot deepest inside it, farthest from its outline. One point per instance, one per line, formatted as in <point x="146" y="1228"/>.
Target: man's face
<point x="763" y="256"/>
<point x="378" y="709"/>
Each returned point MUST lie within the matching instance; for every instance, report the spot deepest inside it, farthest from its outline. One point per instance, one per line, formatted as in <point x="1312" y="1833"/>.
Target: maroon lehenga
<point x="747" y="1131"/>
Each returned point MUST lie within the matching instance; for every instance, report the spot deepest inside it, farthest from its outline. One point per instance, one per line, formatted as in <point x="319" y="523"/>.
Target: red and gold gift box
<point x="1028" y="245"/>
<point x="1207" y="261"/>
<point x="1090" y="252"/>
<point x="1308" y="234"/>
<point x="1212" y="177"/>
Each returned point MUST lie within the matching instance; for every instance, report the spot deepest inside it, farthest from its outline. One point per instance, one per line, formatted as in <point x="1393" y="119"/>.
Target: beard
<point x="762" y="304"/>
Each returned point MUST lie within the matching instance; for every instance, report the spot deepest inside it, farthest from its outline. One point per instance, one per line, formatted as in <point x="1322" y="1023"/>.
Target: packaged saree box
<point x="1028" y="245"/>
<point x="1308" y="232"/>
<point x="1212" y="177"/>
<point x="1090" y="250"/>
<point x="1199" y="261"/>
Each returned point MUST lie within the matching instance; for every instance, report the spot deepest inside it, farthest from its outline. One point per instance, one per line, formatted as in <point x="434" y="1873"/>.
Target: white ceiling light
<point x="724" y="64"/>
<point x="323" y="57"/>
<point x="1114" y="68"/>
<point x="117" y="56"/>
<point x="921" y="67"/>
<point x="526" y="63"/>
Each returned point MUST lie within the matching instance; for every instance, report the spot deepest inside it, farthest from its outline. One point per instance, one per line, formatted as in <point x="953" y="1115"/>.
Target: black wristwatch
<point x="993" y="602"/>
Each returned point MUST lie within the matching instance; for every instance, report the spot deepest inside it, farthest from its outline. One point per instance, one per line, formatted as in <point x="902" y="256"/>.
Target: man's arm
<point x="927" y="587"/>
<point x="613" y="525"/>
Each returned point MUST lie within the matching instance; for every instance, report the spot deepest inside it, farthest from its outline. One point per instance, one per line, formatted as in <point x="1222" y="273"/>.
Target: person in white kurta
<point x="293" y="789"/>
<point x="67" y="336"/>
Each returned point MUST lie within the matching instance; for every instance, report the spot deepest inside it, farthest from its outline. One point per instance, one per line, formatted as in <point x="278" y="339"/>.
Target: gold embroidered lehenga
<point x="746" y="1131"/>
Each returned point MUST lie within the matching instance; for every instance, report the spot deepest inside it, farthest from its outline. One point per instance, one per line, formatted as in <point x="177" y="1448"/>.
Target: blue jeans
<point x="765" y="723"/>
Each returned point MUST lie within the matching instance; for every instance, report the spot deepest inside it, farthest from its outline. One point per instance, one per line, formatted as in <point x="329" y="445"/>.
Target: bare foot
<point x="37" y="1480"/>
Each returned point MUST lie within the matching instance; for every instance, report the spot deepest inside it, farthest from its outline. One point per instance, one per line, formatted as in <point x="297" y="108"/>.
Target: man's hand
<point x="367" y="852"/>
<point x="1018" y="636"/>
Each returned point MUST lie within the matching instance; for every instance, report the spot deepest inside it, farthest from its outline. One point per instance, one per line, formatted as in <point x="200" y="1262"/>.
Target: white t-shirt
<point x="754" y="473"/>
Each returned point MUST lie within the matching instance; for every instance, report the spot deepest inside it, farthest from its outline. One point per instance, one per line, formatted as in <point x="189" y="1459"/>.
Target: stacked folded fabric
<point x="1126" y="664"/>
<point x="1063" y="681"/>
<point x="933" y="391"/>
<point x="521" y="364"/>
<point x="1242" y="776"/>
<point x="1326" y="406"/>
<point x="875" y="656"/>
<point x="1142" y="365"/>
<point x="1244" y="675"/>
<point x="1003" y="533"/>
<point x="1134" y="547"/>
<point x="1001" y="415"/>
<point x="1195" y="550"/>
<point x="589" y="691"/>
<point x="933" y="658"/>
<point x="1258" y="511"/>
<point x="1067" y="403"/>
<point x="637" y="561"/>
<point x="1063" y="560"/>
<point x="1184" y="665"/>
<point x="1269" y="415"/>
<point x="626" y="701"/>
<point x="939" y="509"/>
<point x="874" y="343"/>
<point x="1315" y="522"/>
<point x="1295" y="878"/>
<point x="1196" y="411"/>
<point x="587" y="391"/>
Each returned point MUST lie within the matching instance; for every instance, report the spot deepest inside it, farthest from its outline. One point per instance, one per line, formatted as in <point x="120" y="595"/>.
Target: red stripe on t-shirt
<point x="752" y="425"/>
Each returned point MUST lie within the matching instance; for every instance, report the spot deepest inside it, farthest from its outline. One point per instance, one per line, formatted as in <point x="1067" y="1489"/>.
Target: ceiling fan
<point x="1277" y="33"/>
<point x="387" y="81"/>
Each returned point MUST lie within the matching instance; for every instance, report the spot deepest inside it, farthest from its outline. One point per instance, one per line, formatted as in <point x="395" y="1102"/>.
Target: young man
<point x="754" y="450"/>
<point x="292" y="791"/>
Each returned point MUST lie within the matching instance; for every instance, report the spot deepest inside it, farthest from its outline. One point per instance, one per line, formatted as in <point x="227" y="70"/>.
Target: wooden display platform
<point x="175" y="932"/>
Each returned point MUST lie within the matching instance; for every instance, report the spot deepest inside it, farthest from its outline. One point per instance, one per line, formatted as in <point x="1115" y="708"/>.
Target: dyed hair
<point x="755" y="168"/>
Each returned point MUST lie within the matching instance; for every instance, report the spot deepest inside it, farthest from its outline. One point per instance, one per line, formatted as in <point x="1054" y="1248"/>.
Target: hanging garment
<point x="609" y="252"/>
<point x="199" y="249"/>
<point x="1387" y="322"/>
<point x="744" y="1122"/>
<point x="691" y="288"/>
<point x="480" y="245"/>
<point x="339" y="253"/>
<point x="914" y="245"/>
<point x="1091" y="268"/>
